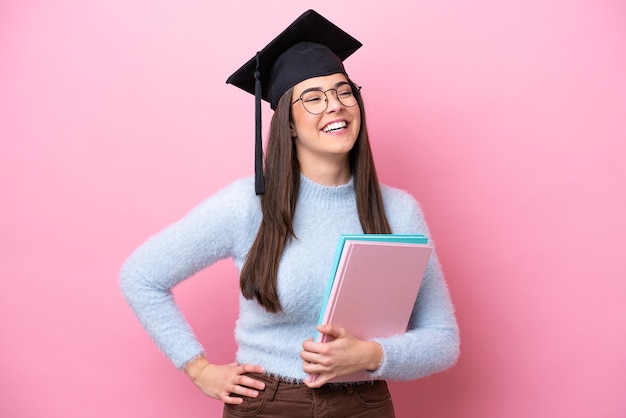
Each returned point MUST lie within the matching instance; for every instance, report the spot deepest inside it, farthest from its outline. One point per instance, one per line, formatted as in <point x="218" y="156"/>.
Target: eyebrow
<point x="337" y="85"/>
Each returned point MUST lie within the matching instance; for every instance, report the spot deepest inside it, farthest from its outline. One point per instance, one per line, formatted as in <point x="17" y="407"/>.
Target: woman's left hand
<point x="344" y="355"/>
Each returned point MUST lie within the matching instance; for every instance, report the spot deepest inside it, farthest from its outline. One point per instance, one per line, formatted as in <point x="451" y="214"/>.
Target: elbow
<point x="451" y="349"/>
<point x="128" y="283"/>
<point x="446" y="351"/>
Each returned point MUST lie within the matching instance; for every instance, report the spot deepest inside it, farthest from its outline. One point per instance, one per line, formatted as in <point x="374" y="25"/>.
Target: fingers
<point x="331" y="333"/>
<point x="251" y="368"/>
<point x="318" y="381"/>
<point x="250" y="382"/>
<point x="244" y="389"/>
<point x="318" y="356"/>
<point x="231" y="400"/>
<point x="310" y="347"/>
<point x="331" y="330"/>
<point x="343" y="355"/>
<point x="229" y="383"/>
<point x="244" y="384"/>
<point x="312" y="359"/>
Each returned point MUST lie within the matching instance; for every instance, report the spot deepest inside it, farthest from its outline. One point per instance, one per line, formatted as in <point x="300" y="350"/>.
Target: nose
<point x="334" y="105"/>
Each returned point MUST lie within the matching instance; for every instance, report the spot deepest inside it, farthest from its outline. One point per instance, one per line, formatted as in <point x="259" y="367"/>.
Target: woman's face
<point x="331" y="134"/>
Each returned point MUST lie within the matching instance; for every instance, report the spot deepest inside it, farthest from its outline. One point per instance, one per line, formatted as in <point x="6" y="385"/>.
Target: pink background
<point x="506" y="119"/>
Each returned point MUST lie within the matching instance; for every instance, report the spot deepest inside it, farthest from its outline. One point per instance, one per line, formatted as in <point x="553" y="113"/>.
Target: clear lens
<point x="316" y="101"/>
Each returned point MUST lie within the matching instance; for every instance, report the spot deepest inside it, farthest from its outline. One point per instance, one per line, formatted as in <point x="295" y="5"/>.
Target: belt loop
<point x="271" y="387"/>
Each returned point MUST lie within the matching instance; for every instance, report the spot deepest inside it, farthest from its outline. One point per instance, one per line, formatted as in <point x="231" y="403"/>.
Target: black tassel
<point x="259" y="182"/>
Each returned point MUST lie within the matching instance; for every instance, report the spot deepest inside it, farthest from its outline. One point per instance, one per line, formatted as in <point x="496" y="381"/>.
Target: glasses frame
<point x="356" y="89"/>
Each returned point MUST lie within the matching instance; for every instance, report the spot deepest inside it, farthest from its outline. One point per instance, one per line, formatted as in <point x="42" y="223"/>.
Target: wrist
<point x="194" y="366"/>
<point x="375" y="357"/>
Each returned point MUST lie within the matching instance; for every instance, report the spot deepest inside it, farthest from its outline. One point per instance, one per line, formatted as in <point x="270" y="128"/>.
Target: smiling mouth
<point x="335" y="126"/>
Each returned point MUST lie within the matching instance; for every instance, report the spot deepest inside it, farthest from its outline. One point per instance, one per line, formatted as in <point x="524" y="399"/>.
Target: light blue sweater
<point x="225" y="226"/>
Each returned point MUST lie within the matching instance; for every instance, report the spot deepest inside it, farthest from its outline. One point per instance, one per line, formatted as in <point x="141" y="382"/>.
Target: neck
<point x="327" y="174"/>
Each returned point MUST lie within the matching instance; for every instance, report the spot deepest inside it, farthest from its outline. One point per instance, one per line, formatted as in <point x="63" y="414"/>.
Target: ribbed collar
<point x="326" y="196"/>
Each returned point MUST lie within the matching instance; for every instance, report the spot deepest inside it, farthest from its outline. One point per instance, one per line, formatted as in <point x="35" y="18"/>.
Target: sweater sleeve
<point x="205" y="235"/>
<point x="431" y="343"/>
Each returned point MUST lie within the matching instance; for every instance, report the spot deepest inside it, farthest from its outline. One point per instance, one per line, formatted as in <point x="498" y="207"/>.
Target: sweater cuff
<point x="194" y="358"/>
<point x="376" y="374"/>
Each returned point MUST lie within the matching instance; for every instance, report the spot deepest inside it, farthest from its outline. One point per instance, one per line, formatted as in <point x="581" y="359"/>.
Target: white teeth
<point x="334" y="126"/>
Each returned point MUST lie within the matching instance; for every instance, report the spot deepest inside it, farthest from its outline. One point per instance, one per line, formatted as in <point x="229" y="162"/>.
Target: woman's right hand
<point x="221" y="381"/>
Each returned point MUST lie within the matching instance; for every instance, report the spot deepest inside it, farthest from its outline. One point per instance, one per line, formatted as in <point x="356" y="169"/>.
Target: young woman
<point x="319" y="182"/>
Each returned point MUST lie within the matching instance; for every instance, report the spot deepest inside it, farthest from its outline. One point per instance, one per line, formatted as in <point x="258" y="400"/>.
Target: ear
<point x="292" y="130"/>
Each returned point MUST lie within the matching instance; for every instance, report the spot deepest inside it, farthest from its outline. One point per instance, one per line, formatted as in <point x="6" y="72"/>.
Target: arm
<point x="212" y="231"/>
<point x="431" y="343"/>
<point x="156" y="267"/>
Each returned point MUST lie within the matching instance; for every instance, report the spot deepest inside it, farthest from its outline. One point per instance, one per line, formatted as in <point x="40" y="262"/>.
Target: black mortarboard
<point x="310" y="47"/>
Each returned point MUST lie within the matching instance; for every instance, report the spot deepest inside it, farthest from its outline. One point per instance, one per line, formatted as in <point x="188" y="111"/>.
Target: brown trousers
<point x="280" y="399"/>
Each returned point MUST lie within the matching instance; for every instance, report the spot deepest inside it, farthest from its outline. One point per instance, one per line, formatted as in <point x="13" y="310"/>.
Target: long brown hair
<point x="258" y="278"/>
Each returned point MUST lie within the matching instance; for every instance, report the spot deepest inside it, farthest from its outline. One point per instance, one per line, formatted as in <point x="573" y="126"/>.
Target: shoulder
<point x="242" y="187"/>
<point x="398" y="200"/>
<point x="403" y="211"/>
<point x="237" y="193"/>
<point x="235" y="201"/>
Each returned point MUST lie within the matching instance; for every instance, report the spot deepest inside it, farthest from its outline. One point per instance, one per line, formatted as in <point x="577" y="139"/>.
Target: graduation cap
<point x="311" y="46"/>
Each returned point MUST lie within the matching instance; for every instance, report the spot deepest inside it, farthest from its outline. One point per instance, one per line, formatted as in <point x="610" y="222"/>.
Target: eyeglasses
<point x="315" y="101"/>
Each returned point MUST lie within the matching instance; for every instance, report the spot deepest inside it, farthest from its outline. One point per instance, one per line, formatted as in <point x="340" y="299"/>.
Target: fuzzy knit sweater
<point x="225" y="226"/>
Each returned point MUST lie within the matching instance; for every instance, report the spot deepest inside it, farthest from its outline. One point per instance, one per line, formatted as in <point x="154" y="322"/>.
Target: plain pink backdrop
<point x="506" y="119"/>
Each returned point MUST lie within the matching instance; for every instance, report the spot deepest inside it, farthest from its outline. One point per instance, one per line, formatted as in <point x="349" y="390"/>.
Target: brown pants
<point x="279" y="399"/>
